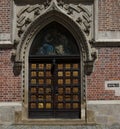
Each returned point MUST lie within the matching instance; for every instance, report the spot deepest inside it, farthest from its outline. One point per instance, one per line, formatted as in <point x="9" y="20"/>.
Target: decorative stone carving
<point x="20" y="32"/>
<point x="94" y="51"/>
<point x="88" y="67"/>
<point x="16" y="42"/>
<point x="13" y="55"/>
<point x="17" y="68"/>
<point x="47" y="3"/>
<point x="83" y="16"/>
<point x="29" y="20"/>
<point x="26" y="15"/>
<point x="37" y="12"/>
<point x="77" y="12"/>
<point x="61" y="3"/>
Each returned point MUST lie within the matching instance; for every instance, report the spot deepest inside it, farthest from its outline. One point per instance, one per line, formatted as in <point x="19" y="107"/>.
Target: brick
<point x="5" y="16"/>
<point x="9" y="84"/>
<point x="106" y="68"/>
<point x="109" y="15"/>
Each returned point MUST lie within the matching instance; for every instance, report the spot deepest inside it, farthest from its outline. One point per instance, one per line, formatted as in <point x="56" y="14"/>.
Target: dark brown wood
<point x="54" y="87"/>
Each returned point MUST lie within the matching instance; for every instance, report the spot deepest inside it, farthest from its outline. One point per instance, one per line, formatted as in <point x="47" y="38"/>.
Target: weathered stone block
<point x="90" y="116"/>
<point x="107" y="113"/>
<point x="6" y="115"/>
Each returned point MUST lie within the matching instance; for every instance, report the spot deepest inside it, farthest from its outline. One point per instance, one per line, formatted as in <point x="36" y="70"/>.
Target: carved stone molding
<point x="17" y="68"/>
<point x="78" y="13"/>
<point x="31" y="19"/>
<point x="88" y="67"/>
<point x="76" y="18"/>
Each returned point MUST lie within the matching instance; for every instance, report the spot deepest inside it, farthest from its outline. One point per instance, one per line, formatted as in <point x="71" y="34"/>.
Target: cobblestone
<point x="117" y="126"/>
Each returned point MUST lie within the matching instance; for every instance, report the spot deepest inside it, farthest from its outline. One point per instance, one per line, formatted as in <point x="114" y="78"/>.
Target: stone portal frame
<point x="24" y="40"/>
<point x="30" y="19"/>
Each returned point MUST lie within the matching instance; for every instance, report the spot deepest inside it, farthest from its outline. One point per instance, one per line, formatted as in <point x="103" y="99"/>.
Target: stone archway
<point x="42" y="15"/>
<point x="54" y="74"/>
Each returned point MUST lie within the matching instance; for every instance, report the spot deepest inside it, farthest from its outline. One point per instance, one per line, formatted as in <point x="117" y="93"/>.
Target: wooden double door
<point x="54" y="88"/>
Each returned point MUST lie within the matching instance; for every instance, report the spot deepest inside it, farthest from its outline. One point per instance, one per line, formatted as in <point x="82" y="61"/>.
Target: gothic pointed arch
<point x="31" y="19"/>
<point x="75" y="20"/>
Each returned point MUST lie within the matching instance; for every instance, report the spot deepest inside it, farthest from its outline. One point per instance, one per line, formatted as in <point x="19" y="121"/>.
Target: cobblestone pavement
<point x="58" y="127"/>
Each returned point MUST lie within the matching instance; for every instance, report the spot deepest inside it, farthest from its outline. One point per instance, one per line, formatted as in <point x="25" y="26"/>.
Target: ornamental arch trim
<point x="27" y="29"/>
<point x="54" y="16"/>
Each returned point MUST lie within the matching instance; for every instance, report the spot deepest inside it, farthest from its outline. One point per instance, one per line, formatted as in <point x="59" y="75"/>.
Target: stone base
<point x="59" y="127"/>
<point x="7" y="112"/>
<point x="104" y="112"/>
<point x="98" y="112"/>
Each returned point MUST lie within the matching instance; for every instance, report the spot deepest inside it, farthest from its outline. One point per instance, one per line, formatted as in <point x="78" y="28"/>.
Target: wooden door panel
<point x="56" y="94"/>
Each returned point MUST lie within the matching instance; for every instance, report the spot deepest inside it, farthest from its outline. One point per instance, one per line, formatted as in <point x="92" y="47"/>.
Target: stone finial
<point x="88" y="67"/>
<point x="17" y="68"/>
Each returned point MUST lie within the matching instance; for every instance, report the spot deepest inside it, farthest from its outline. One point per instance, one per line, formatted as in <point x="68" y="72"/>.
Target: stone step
<point x="117" y="126"/>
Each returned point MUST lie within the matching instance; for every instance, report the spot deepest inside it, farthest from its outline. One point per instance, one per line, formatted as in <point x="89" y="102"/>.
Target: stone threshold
<point x="115" y="126"/>
<point x="54" y="122"/>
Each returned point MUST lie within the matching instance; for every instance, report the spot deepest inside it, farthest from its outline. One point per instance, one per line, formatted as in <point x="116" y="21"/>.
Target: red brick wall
<point x="107" y="67"/>
<point x="109" y="15"/>
<point x="10" y="86"/>
<point x="5" y="16"/>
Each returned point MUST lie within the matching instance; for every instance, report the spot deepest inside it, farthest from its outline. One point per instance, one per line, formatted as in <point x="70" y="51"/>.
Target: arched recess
<point x="64" y="20"/>
<point x="22" y="42"/>
<point x="20" y="56"/>
<point x="54" y="74"/>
